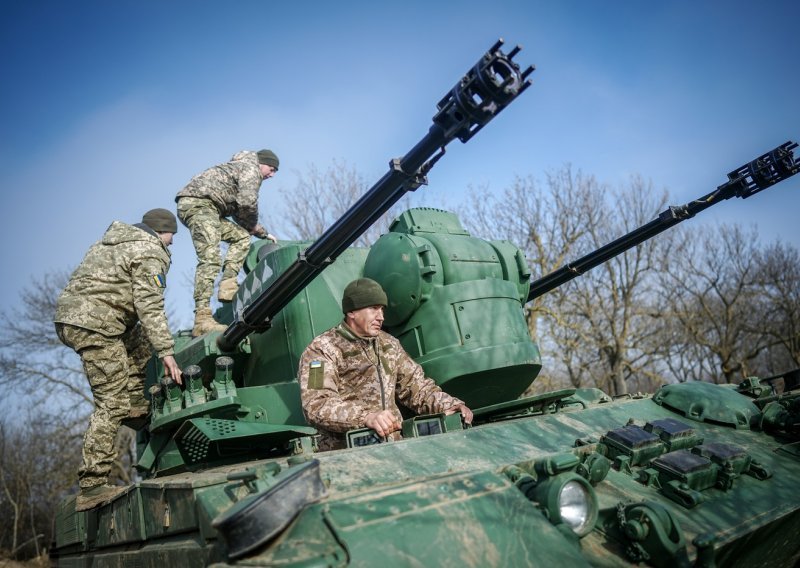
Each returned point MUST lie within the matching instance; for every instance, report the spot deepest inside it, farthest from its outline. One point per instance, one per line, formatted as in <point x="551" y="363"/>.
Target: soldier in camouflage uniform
<point x="226" y="190"/>
<point x="353" y="375"/>
<point x="112" y="314"/>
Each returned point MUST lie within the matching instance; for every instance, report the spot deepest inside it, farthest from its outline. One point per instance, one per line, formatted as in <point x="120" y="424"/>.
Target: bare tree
<point x="34" y="364"/>
<point x="320" y="197"/>
<point x="593" y="331"/>
<point x="548" y="221"/>
<point x="606" y="315"/>
<point x="709" y="289"/>
<point x="777" y="306"/>
<point x="37" y="465"/>
<point x="10" y="498"/>
<point x="46" y="409"/>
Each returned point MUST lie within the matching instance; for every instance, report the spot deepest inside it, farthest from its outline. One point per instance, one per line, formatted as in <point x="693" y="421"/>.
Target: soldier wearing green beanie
<point x="161" y="221"/>
<point x="221" y="205"/>
<point x="363" y="293"/>
<point x="112" y="314"/>
<point x="355" y="374"/>
<point x="268" y="158"/>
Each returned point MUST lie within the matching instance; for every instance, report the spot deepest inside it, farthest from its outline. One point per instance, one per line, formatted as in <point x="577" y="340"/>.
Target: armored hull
<point x="662" y="488"/>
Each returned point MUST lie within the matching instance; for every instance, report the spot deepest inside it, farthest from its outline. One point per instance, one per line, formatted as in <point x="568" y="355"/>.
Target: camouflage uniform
<point x="341" y="382"/>
<point x="226" y="190"/>
<point x="112" y="314"/>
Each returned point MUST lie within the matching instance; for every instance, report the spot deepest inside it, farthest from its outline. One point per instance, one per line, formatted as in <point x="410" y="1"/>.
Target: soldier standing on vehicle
<point x="352" y="375"/>
<point x="112" y="314"/>
<point x="204" y="205"/>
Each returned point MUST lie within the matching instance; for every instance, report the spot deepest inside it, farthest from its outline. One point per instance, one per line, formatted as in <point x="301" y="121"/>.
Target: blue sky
<point x="108" y="108"/>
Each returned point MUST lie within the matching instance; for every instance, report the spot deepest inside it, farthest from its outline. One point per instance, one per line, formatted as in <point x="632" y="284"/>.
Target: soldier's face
<point x="166" y="238"/>
<point x="266" y="171"/>
<point x="366" y="322"/>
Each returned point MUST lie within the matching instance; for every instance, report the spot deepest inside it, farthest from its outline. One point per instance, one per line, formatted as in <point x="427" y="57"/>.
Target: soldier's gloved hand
<point x="466" y="413"/>
<point x="172" y="369"/>
<point x="383" y="422"/>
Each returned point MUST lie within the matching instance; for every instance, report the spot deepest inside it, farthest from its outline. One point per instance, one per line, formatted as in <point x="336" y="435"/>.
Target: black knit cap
<point x="363" y="293"/>
<point x="161" y="221"/>
<point x="268" y="158"/>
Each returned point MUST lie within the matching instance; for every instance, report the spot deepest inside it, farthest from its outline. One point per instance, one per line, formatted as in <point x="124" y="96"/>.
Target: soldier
<point x="226" y="190"/>
<point x="112" y="314"/>
<point x="351" y="375"/>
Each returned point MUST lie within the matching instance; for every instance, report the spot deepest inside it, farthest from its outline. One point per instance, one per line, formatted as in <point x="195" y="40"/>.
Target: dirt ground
<point x="40" y="562"/>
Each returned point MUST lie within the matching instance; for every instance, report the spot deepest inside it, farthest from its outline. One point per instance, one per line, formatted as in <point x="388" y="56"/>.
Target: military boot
<point x="204" y="322"/>
<point x="91" y="497"/>
<point x="227" y="289"/>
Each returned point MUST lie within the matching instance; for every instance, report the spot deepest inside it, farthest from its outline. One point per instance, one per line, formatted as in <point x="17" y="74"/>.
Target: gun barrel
<point x="745" y="181"/>
<point x="487" y="88"/>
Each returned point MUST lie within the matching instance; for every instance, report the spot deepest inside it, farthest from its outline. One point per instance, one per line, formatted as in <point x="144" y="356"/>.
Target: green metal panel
<point x="169" y="459"/>
<point x="408" y="268"/>
<point x="184" y="551"/>
<point x="280" y="403"/>
<point x="454" y="304"/>
<point x="207" y="440"/>
<point x="167" y="513"/>
<point x="427" y="220"/>
<point x="477" y="519"/>
<point x="708" y="402"/>
<point x="123" y="520"/>
<point x="277" y="351"/>
<point x="482" y="364"/>
<point x="72" y="527"/>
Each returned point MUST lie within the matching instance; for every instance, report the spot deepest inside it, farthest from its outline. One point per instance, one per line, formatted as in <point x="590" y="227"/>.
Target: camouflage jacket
<point x="341" y="382"/>
<point x="120" y="282"/>
<point x="232" y="187"/>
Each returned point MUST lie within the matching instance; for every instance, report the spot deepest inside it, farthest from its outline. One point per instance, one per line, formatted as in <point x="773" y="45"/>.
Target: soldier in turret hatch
<point x="353" y="375"/>
<point x="204" y="205"/>
<point x="112" y="314"/>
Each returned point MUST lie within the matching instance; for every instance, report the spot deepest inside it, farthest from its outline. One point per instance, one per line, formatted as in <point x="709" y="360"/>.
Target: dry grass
<point x="38" y="562"/>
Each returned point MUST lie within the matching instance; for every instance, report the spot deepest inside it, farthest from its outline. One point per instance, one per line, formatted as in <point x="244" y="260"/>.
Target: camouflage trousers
<point x="115" y="368"/>
<point x="208" y="230"/>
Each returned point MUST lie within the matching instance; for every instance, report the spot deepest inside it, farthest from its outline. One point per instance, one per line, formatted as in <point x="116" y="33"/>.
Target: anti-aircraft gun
<point x="697" y="473"/>
<point x="231" y="406"/>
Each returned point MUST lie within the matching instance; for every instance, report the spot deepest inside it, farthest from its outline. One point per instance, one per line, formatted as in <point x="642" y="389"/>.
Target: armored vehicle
<point x="695" y="474"/>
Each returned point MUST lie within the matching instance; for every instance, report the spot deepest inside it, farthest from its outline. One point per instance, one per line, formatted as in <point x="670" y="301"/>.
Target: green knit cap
<point x="363" y="293"/>
<point x="161" y="221"/>
<point x="268" y="158"/>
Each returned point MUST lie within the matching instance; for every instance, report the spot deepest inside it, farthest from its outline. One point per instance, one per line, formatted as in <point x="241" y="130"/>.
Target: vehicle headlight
<point x="569" y="499"/>
<point x="575" y="506"/>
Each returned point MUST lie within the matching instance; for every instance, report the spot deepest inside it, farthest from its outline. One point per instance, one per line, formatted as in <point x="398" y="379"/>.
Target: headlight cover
<point x="575" y="506"/>
<point x="569" y="499"/>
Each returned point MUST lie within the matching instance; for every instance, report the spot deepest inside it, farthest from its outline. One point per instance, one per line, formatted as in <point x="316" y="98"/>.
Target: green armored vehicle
<point x="697" y="474"/>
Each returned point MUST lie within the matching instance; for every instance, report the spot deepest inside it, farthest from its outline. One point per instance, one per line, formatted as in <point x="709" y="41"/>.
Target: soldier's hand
<point x="259" y="231"/>
<point x="172" y="369"/>
<point x="466" y="413"/>
<point x="271" y="237"/>
<point x="383" y="422"/>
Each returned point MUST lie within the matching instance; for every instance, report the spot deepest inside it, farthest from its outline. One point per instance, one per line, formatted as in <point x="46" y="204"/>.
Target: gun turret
<point x="487" y="88"/>
<point x="745" y="181"/>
